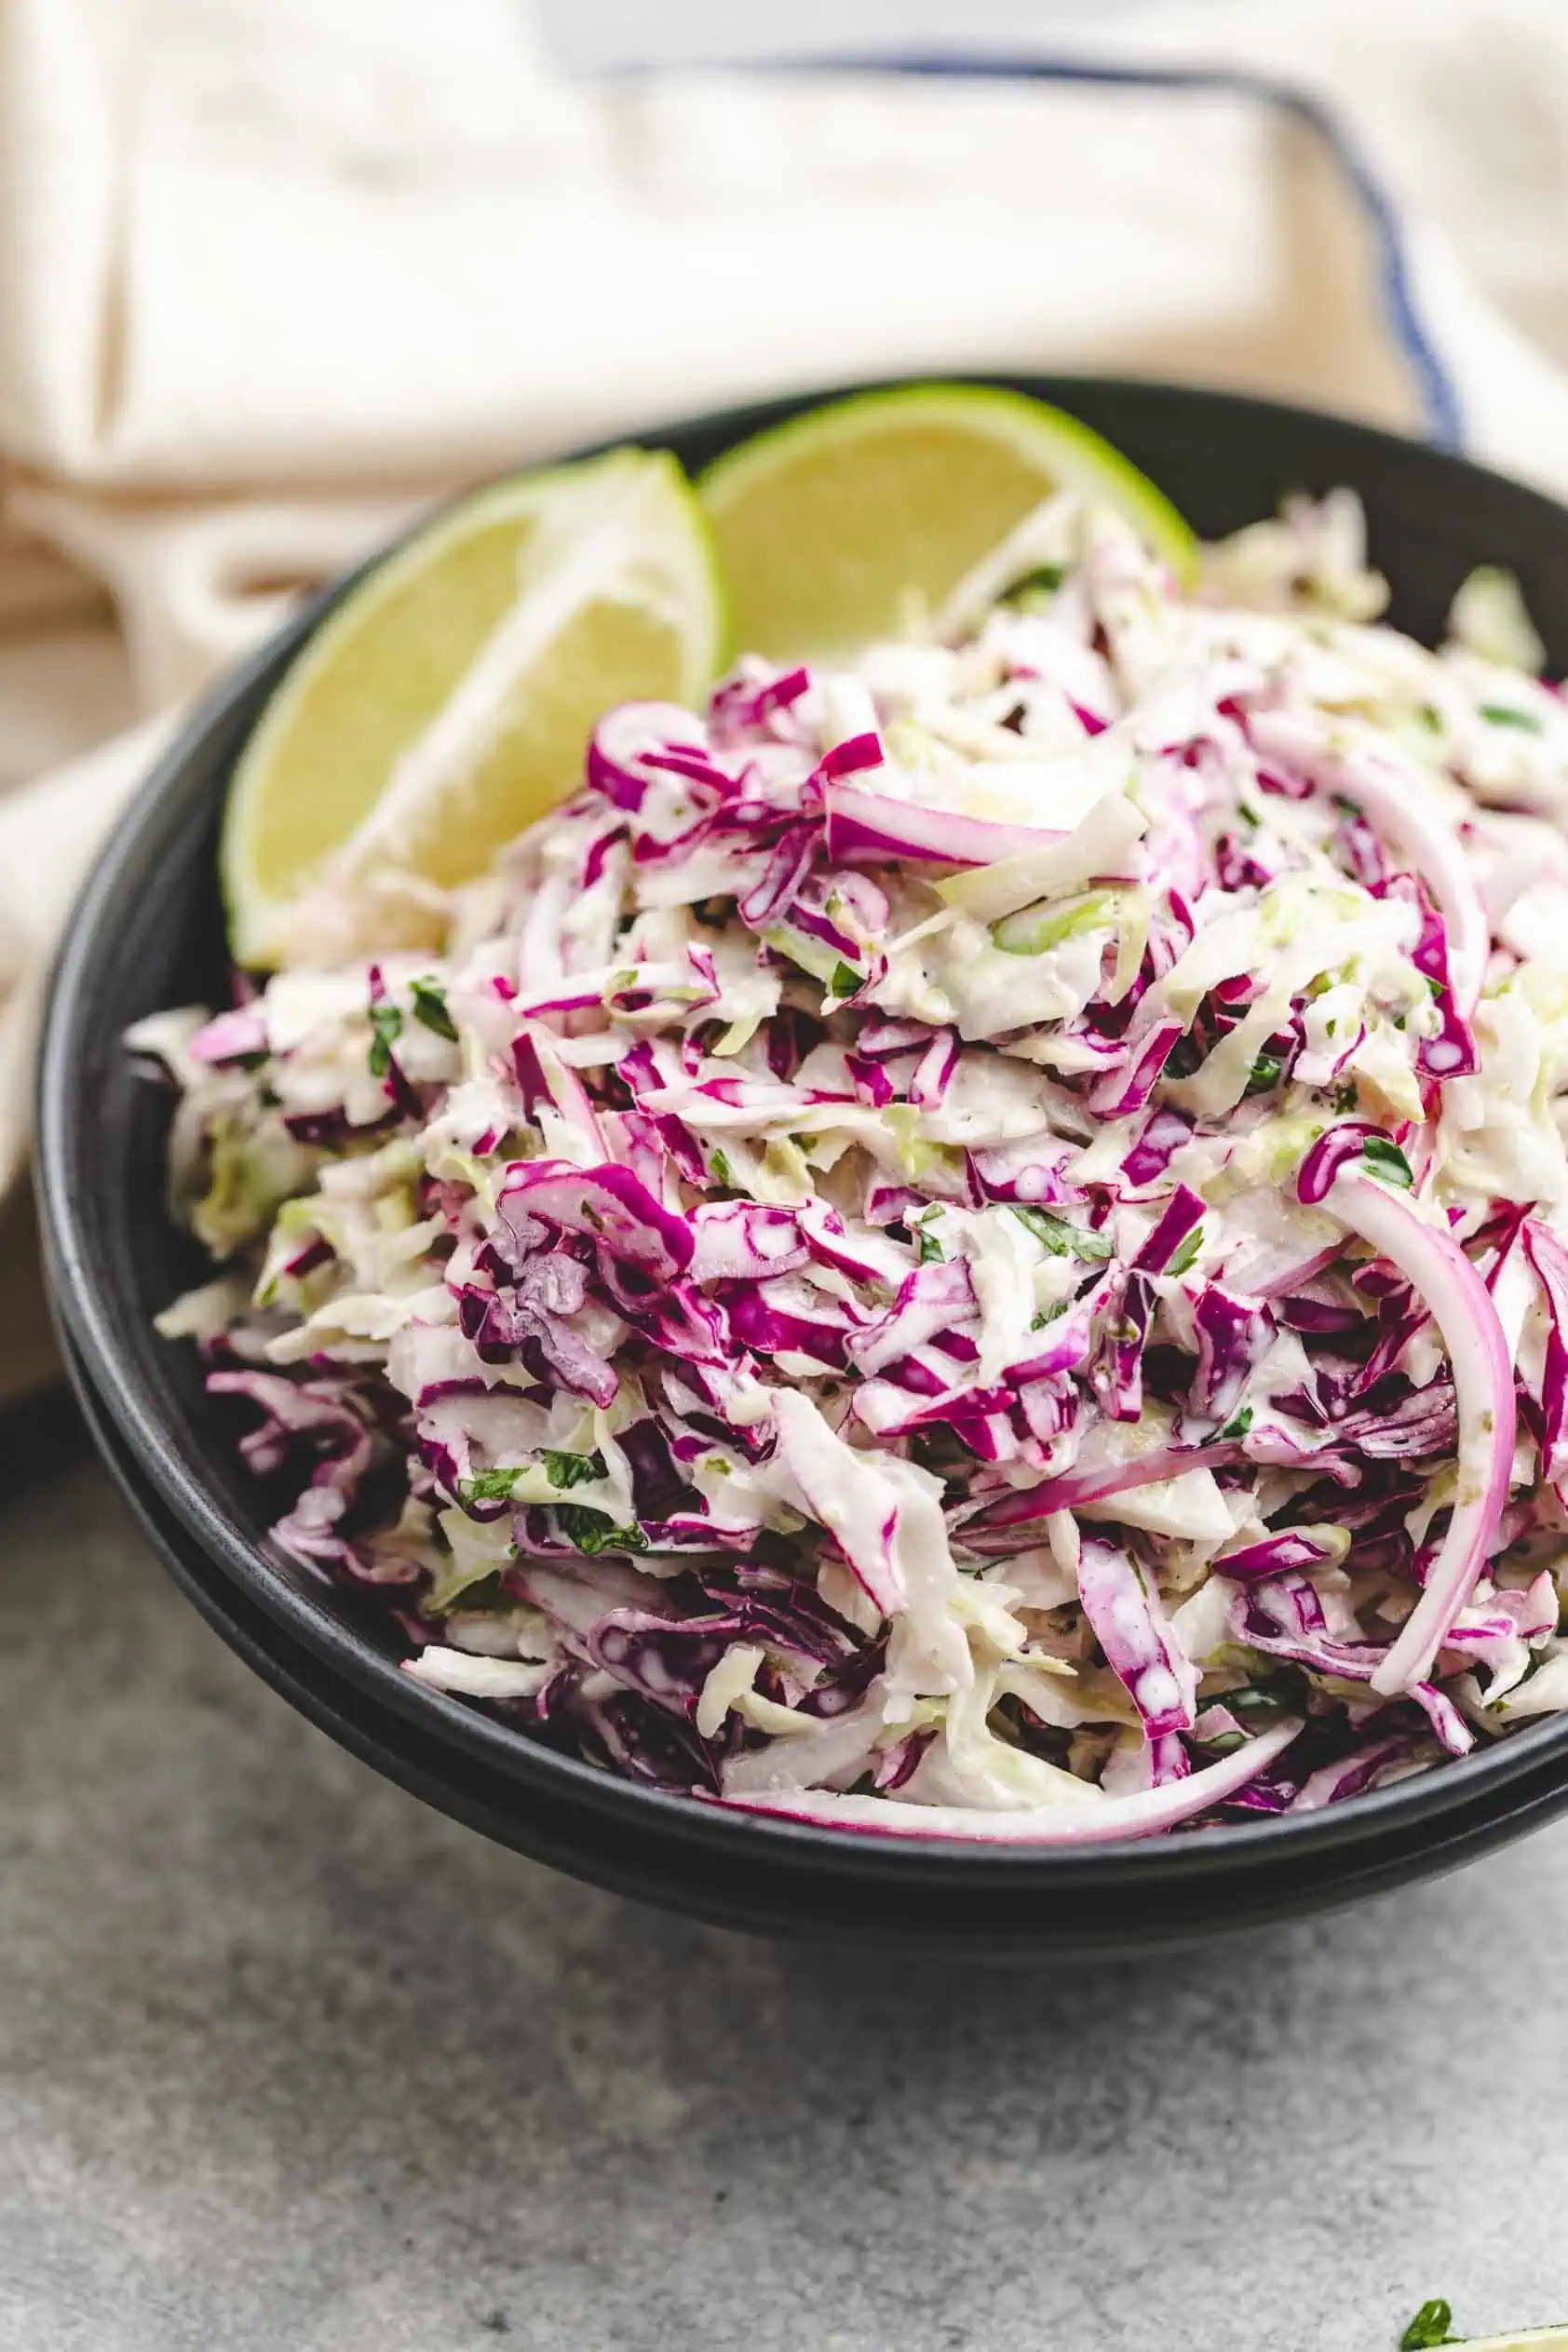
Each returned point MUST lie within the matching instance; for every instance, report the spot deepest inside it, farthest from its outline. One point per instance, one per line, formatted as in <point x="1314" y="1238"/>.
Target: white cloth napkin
<point x="273" y="272"/>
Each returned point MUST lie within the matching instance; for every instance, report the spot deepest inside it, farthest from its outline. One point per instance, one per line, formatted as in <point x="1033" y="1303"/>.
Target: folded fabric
<point x="273" y="275"/>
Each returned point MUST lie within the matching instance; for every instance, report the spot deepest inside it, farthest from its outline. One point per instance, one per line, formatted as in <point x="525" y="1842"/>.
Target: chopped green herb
<point x="1044" y="579"/>
<point x="386" y="1023"/>
<point x="1502" y="715"/>
<point x="1186" y="1252"/>
<point x="1385" y="1161"/>
<point x="595" y="1531"/>
<point x="430" y="1005"/>
<point x="1432" y="2324"/>
<point x="1239" y="1426"/>
<point x="845" y="979"/>
<point x="1058" y="1236"/>
<point x="572" y="1469"/>
<point x="488" y="1486"/>
<point x="1265" y="1074"/>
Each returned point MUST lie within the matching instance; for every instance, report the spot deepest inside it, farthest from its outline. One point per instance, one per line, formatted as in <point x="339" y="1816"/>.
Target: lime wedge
<point x="828" y="526"/>
<point x="446" y="702"/>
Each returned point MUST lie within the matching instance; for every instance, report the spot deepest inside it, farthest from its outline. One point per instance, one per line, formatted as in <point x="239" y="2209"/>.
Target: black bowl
<point x="147" y="933"/>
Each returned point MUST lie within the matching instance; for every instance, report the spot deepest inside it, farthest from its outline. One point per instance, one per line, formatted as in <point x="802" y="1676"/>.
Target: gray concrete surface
<point x="289" y="2064"/>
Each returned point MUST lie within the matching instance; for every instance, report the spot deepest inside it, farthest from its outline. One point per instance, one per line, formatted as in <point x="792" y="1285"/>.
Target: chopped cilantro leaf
<point x="595" y="1531"/>
<point x="488" y="1486"/>
<point x="1385" y="1161"/>
<point x="1433" y="2324"/>
<point x="1182" y="1257"/>
<point x="387" y="1024"/>
<point x="572" y="1469"/>
<point x="430" y="1005"/>
<point x="1057" y="1234"/>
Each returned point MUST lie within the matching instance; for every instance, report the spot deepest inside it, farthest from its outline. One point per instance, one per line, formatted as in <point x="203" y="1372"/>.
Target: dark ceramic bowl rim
<point x="158" y="1448"/>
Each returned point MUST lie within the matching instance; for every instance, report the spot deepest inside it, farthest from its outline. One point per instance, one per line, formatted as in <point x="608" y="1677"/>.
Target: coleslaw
<point x="974" y="1243"/>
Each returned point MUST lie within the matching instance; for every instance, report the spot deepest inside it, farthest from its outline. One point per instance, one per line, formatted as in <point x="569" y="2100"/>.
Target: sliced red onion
<point x="863" y="824"/>
<point x="1437" y="1270"/>
<point x="618" y="765"/>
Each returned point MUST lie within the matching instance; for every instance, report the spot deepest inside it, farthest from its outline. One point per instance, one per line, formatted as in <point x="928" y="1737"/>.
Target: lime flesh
<point x="445" y="703"/>
<point x="830" y="527"/>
